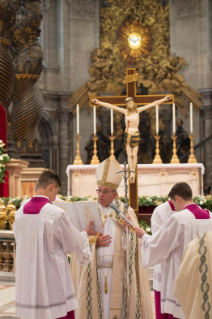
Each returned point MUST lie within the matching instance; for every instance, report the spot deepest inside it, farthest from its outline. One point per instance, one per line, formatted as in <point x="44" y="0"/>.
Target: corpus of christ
<point x="105" y="159"/>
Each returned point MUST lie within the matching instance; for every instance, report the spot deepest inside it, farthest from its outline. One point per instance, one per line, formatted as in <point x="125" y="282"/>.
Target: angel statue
<point x="132" y="134"/>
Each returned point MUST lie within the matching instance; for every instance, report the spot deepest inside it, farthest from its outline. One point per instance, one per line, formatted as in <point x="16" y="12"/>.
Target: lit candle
<point x="111" y="121"/>
<point x="191" y="118"/>
<point x="77" y="119"/>
<point x="94" y="120"/>
<point x="173" y="119"/>
<point x="157" y="119"/>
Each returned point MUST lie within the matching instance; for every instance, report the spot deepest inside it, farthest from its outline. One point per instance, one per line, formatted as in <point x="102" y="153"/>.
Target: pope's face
<point x="106" y="195"/>
<point x="130" y="105"/>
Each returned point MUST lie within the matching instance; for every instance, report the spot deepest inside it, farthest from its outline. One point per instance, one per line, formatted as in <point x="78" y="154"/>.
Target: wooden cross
<point x="130" y="79"/>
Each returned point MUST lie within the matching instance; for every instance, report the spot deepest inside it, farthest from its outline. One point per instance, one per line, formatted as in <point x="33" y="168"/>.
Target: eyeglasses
<point x="104" y="192"/>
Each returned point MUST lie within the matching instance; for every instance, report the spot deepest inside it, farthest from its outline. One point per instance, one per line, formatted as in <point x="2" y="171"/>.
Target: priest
<point x="160" y="215"/>
<point x="193" y="285"/>
<point x="114" y="285"/>
<point x="44" y="236"/>
<point x="166" y="246"/>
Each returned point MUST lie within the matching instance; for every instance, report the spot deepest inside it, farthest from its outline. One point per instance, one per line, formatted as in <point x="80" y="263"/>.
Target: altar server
<point x="160" y="215"/>
<point x="193" y="285"/>
<point x="166" y="246"/>
<point x="114" y="285"/>
<point x="44" y="236"/>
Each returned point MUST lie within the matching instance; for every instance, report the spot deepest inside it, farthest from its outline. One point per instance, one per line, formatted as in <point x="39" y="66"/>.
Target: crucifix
<point x="131" y="99"/>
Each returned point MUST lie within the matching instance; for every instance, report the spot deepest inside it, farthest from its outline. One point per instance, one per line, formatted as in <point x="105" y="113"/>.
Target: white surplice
<point x="160" y="215"/>
<point x="166" y="246"/>
<point x="44" y="287"/>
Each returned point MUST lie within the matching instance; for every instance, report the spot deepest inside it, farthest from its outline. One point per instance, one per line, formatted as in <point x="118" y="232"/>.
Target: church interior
<point x="56" y="56"/>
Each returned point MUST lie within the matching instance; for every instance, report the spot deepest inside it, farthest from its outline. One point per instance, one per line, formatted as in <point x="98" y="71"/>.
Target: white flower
<point x="1" y="158"/>
<point x="201" y="202"/>
<point x="149" y="199"/>
<point x="5" y="155"/>
<point x="1" y="141"/>
<point x="148" y="229"/>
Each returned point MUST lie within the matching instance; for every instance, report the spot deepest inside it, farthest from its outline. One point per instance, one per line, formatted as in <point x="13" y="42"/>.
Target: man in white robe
<point x="44" y="236"/>
<point x="114" y="285"/>
<point x="193" y="285"/>
<point x="166" y="246"/>
<point x="160" y="215"/>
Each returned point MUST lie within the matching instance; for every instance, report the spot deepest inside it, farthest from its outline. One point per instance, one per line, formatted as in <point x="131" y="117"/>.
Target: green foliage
<point x="3" y="159"/>
<point x="145" y="226"/>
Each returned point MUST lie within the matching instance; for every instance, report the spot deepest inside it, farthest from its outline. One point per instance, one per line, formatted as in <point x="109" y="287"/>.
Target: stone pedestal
<point x="15" y="167"/>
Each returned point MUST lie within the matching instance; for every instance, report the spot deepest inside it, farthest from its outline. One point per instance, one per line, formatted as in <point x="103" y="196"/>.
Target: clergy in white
<point x="160" y="215"/>
<point x="166" y="246"/>
<point x="44" y="236"/>
<point x="114" y="285"/>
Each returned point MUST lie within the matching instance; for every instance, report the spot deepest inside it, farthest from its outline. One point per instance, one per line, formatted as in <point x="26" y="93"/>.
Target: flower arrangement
<point x="3" y="159"/>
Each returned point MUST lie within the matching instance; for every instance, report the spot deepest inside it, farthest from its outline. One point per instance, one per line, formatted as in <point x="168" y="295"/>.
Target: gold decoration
<point x="3" y="215"/>
<point x="112" y="138"/>
<point x="175" y="159"/>
<point x="131" y="78"/>
<point x="192" y="158"/>
<point x="157" y="159"/>
<point x="78" y="160"/>
<point x="157" y="71"/>
<point x="95" y="159"/>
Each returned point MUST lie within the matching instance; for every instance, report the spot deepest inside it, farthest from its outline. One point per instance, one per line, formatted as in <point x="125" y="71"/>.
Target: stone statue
<point x="132" y="135"/>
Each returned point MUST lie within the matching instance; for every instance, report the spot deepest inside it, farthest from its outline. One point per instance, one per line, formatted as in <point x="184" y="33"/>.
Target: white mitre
<point x="106" y="174"/>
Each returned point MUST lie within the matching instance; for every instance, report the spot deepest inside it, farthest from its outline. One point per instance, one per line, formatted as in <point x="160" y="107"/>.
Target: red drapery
<point x="4" y="188"/>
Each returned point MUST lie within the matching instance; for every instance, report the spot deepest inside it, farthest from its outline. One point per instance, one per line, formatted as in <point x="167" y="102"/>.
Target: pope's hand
<point x="103" y="241"/>
<point x="126" y="224"/>
<point x="139" y="231"/>
<point x="89" y="230"/>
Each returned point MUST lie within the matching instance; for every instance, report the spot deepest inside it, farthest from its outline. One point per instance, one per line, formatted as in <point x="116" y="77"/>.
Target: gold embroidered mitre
<point x="106" y="174"/>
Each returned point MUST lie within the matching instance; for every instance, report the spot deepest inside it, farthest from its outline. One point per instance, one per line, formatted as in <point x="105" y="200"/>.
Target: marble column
<point x="64" y="140"/>
<point x="206" y="130"/>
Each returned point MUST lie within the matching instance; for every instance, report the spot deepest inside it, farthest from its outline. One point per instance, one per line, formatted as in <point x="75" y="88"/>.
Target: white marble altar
<point x="153" y="179"/>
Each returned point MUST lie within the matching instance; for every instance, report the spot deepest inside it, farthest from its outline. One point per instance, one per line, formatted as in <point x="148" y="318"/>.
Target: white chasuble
<point x="105" y="260"/>
<point x="94" y="303"/>
<point x="44" y="286"/>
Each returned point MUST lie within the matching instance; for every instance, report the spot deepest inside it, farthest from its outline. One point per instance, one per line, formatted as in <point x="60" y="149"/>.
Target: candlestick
<point x="157" y="119"/>
<point x="175" y="159"/>
<point x="191" y="118"/>
<point x="173" y="118"/>
<point x="94" y="120"/>
<point x="112" y="157"/>
<point x="77" y="119"/>
<point x="157" y="159"/>
<point x="94" y="159"/>
<point x="78" y="160"/>
<point x="111" y="121"/>
<point x="192" y="158"/>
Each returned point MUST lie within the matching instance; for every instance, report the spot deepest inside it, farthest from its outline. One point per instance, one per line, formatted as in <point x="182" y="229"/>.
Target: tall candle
<point x="157" y="119"/>
<point x="77" y="119"/>
<point x="173" y="119"/>
<point x="94" y="120"/>
<point x="191" y="118"/>
<point x="111" y="121"/>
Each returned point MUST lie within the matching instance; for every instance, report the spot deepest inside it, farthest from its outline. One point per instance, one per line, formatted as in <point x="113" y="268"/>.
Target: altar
<point x="153" y="179"/>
